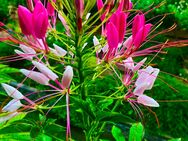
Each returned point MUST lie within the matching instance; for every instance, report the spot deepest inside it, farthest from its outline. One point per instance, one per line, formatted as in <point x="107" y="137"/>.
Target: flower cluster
<point x="123" y="34"/>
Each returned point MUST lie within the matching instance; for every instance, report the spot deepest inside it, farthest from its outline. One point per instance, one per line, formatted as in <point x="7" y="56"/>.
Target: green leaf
<point x="103" y="104"/>
<point x="136" y="132"/>
<point x="20" y="136"/>
<point x="117" y="134"/>
<point x="113" y="117"/>
<point x="178" y="139"/>
<point x="43" y="137"/>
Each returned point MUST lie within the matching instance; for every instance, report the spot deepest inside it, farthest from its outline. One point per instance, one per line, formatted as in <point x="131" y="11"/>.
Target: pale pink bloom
<point x="36" y="76"/>
<point x="25" y="20"/>
<point x="40" y="20"/>
<point x="147" y="76"/>
<point x="12" y="106"/>
<point x="12" y="92"/>
<point x="45" y="70"/>
<point x="147" y="101"/>
<point x="60" y="50"/>
<point x="9" y="116"/>
<point x="67" y="77"/>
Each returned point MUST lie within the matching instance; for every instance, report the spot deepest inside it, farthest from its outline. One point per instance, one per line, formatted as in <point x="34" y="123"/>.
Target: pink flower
<point x="50" y="8"/>
<point x="67" y="77"/>
<point x="25" y="20"/>
<point x="40" y="20"/>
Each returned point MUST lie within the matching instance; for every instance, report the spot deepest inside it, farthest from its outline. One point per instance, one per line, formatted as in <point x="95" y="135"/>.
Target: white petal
<point x="60" y="50"/>
<point x="27" y="49"/>
<point x="24" y="55"/>
<point x="45" y="70"/>
<point x="12" y="92"/>
<point x="12" y="106"/>
<point x="147" y="101"/>
<point x="36" y="76"/>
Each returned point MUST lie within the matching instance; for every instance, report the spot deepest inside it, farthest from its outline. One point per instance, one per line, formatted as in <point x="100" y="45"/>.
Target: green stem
<point x="104" y="124"/>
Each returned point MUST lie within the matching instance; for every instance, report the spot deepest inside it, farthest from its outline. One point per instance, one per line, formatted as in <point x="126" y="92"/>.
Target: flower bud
<point x="45" y="70"/>
<point x="12" y="92"/>
<point x="67" y="77"/>
<point x="60" y="50"/>
<point x="12" y="106"/>
<point x="40" y="20"/>
<point x="25" y="20"/>
<point x="147" y="101"/>
<point x="36" y="76"/>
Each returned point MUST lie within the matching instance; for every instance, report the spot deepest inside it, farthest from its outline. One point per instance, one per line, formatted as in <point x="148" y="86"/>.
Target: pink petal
<point x="12" y="92"/>
<point x="139" y="90"/>
<point x="147" y="101"/>
<point x="138" y="23"/>
<point x="129" y="63"/>
<point x="25" y="20"/>
<point x="50" y="8"/>
<point x="45" y="70"/>
<point x="67" y="77"/>
<point x="36" y="76"/>
<point x="112" y="36"/>
<point x="40" y="20"/>
<point x="139" y="65"/>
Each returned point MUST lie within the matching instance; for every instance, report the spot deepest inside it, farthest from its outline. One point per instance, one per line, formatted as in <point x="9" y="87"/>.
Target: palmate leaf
<point x="136" y="132"/>
<point x="117" y="134"/>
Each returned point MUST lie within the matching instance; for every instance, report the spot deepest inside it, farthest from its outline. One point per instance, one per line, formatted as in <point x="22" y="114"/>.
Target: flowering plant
<point x="72" y="68"/>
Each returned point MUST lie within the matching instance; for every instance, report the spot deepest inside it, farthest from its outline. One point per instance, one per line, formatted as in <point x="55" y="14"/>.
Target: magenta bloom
<point x="40" y="20"/>
<point x="25" y="20"/>
<point x="119" y="20"/>
<point x="50" y="8"/>
<point x="140" y="30"/>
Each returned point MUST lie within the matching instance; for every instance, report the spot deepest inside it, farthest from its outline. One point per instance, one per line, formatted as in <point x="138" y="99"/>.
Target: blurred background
<point x="171" y="89"/>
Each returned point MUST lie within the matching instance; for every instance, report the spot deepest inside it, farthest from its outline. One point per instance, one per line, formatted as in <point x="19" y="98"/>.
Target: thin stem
<point x="104" y="124"/>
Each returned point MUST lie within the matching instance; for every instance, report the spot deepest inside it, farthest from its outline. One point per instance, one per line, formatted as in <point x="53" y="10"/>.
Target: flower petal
<point x="12" y="92"/>
<point x="36" y="76"/>
<point x="45" y="70"/>
<point x="147" y="101"/>
<point x="67" y="77"/>
<point x="12" y="106"/>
